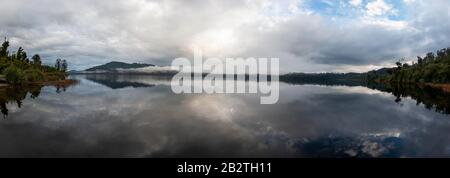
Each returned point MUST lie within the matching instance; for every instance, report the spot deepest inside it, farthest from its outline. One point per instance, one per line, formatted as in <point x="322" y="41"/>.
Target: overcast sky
<point x="307" y="35"/>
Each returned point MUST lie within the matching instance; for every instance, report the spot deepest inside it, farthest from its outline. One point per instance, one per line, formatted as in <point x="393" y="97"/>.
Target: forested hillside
<point x="433" y="68"/>
<point x="16" y="68"/>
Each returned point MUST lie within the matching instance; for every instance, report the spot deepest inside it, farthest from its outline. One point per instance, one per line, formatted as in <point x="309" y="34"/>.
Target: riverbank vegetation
<point x="17" y="69"/>
<point x="433" y="68"/>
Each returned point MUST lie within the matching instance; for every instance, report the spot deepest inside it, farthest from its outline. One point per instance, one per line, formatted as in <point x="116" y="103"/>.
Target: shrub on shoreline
<point x="33" y="75"/>
<point x="14" y="75"/>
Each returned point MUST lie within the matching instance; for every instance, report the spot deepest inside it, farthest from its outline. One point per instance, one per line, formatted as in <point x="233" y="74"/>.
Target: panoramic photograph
<point x="225" y="79"/>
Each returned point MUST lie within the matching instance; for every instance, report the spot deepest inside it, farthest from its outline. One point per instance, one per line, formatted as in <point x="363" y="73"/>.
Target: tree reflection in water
<point x="16" y="94"/>
<point x="432" y="98"/>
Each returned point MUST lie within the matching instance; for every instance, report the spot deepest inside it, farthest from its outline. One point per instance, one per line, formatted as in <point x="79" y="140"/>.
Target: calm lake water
<point x="139" y="116"/>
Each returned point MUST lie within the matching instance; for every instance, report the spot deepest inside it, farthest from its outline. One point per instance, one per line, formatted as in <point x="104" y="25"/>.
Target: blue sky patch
<point x="343" y="8"/>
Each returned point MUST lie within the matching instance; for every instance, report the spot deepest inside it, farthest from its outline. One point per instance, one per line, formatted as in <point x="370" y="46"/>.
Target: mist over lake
<point x="139" y="116"/>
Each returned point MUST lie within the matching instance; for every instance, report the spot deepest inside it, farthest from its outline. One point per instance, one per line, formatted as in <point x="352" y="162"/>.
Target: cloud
<point x="355" y="3"/>
<point x="378" y="7"/>
<point x="88" y="33"/>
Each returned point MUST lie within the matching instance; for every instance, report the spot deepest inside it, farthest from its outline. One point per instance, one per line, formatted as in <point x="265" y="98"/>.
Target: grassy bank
<point x="61" y="83"/>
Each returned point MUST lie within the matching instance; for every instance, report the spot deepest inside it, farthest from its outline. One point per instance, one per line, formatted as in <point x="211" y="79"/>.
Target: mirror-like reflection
<point x="16" y="94"/>
<point x="124" y="81"/>
<point x="116" y="116"/>
<point x="432" y="98"/>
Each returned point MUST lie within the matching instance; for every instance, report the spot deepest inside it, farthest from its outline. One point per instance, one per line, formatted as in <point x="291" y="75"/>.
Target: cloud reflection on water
<point x="309" y="121"/>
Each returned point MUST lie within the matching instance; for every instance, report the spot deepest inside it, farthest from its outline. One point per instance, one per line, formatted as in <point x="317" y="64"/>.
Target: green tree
<point x="64" y="65"/>
<point x="429" y="58"/>
<point x="4" y="49"/>
<point x="19" y="54"/>
<point x="58" y="64"/>
<point x="37" y="60"/>
<point x="13" y="75"/>
<point x="419" y="60"/>
<point x="399" y="64"/>
<point x="433" y="68"/>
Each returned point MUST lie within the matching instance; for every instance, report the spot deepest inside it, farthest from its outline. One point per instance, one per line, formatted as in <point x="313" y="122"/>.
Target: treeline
<point x="433" y="68"/>
<point x="16" y="68"/>
<point x="350" y="79"/>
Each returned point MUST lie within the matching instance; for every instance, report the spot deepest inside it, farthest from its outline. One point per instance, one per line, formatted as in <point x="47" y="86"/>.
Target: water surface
<point x="139" y="116"/>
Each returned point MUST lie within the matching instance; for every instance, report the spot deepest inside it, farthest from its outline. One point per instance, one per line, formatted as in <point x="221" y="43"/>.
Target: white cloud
<point x="378" y="8"/>
<point x="355" y="3"/>
<point x="409" y="1"/>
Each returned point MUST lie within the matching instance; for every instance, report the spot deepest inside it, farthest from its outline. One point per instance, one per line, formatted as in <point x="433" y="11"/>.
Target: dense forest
<point x="17" y="69"/>
<point x="433" y="68"/>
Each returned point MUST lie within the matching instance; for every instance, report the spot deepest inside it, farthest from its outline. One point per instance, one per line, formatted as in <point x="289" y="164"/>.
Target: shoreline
<point x="59" y="83"/>
<point x="444" y="87"/>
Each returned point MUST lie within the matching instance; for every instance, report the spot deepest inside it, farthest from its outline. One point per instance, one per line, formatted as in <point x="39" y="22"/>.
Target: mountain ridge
<point x="114" y="65"/>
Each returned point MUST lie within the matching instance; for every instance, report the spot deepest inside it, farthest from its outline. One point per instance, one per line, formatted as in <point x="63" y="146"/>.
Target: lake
<point x="140" y="116"/>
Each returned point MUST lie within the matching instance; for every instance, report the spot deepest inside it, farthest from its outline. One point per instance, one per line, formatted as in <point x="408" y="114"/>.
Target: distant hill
<point x="375" y="74"/>
<point x="111" y="66"/>
<point x="382" y="71"/>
